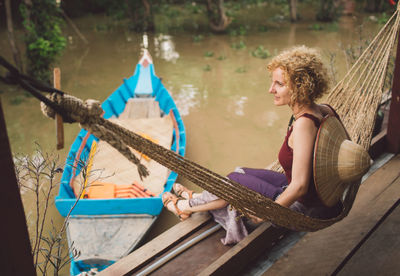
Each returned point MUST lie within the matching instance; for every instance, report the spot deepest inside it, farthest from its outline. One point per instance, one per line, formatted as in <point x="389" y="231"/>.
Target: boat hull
<point x="90" y="214"/>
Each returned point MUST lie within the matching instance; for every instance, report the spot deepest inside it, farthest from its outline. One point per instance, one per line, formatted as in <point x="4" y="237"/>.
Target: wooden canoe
<point x="112" y="216"/>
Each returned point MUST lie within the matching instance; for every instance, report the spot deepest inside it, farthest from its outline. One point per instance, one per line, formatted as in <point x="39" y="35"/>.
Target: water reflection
<point x="270" y="118"/>
<point x="237" y="105"/>
<point x="187" y="98"/>
<point x="165" y="48"/>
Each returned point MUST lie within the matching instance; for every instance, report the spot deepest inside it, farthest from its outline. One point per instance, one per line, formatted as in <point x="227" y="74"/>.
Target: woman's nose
<point x="271" y="89"/>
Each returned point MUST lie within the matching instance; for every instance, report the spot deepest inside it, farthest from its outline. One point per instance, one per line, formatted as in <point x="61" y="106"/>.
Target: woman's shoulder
<point x="310" y="119"/>
<point x="304" y="131"/>
<point x="307" y="122"/>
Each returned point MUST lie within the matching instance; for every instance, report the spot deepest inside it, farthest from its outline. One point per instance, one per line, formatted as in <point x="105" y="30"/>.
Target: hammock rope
<point x="356" y="98"/>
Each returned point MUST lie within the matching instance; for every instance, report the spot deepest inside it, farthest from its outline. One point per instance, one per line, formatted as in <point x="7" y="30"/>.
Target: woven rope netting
<point x="356" y="98"/>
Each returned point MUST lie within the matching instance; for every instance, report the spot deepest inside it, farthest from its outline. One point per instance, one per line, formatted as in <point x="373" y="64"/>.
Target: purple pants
<point x="266" y="182"/>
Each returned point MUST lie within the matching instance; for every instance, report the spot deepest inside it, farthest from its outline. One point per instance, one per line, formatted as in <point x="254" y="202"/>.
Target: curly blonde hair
<point x="304" y="72"/>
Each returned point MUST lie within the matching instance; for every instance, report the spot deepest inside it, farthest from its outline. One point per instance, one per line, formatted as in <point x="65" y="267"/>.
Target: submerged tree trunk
<point x="293" y="10"/>
<point x="218" y="19"/>
<point x="328" y="10"/>
<point x="348" y="7"/>
<point x="11" y="37"/>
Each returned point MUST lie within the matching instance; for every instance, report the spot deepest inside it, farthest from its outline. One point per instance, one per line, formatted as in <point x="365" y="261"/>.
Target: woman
<point x="299" y="78"/>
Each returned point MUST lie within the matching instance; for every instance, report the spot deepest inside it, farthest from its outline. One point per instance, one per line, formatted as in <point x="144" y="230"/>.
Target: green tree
<point x="43" y="36"/>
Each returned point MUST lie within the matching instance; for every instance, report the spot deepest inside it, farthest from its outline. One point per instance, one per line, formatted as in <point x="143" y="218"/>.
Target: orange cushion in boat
<point x="100" y="190"/>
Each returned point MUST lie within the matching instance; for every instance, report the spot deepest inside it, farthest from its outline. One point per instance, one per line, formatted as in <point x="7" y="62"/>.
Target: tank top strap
<point x="316" y="121"/>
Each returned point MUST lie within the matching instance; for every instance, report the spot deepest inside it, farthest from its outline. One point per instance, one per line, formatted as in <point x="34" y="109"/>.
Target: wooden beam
<point x="248" y="249"/>
<point x="393" y="131"/>
<point x="16" y="257"/>
<point x="157" y="246"/>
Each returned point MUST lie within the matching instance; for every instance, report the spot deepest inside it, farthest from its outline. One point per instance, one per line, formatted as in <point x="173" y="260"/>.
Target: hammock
<point x="356" y="98"/>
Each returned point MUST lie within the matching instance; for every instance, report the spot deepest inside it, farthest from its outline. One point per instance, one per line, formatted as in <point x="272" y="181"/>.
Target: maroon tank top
<point x="285" y="158"/>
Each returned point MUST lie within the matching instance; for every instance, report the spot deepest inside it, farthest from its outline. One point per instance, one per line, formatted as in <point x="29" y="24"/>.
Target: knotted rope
<point x="89" y="116"/>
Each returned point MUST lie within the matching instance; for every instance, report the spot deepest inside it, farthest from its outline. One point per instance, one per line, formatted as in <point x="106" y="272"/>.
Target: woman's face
<point x="279" y="88"/>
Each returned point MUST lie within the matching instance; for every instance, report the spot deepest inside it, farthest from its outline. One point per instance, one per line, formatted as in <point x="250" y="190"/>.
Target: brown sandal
<point x="180" y="189"/>
<point x="167" y="197"/>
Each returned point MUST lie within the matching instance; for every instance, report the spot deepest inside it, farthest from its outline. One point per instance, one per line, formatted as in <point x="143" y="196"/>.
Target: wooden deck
<point x="366" y="241"/>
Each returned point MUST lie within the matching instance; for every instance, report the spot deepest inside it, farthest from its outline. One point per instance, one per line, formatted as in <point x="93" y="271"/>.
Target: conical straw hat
<point x="337" y="161"/>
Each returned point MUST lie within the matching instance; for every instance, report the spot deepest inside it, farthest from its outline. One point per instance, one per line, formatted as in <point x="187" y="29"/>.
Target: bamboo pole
<point x="58" y="119"/>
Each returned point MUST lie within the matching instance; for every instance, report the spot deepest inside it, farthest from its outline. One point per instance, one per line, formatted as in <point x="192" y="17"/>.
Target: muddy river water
<point x="220" y="88"/>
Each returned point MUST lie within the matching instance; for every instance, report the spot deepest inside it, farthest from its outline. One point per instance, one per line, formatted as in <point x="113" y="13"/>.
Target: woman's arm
<point x="303" y="138"/>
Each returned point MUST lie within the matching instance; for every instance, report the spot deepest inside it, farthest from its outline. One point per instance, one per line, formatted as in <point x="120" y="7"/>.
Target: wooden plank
<point x="15" y="252"/>
<point x="195" y="258"/>
<point x="157" y="246"/>
<point x="320" y="253"/>
<point x="58" y="119"/>
<point x="233" y="261"/>
<point x="393" y="135"/>
<point x="380" y="253"/>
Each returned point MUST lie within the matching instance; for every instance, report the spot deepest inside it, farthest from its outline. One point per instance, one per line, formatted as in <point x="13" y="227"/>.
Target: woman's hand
<point x="255" y="219"/>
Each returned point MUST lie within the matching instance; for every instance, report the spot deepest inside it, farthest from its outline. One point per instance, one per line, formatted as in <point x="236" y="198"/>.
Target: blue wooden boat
<point x="106" y="229"/>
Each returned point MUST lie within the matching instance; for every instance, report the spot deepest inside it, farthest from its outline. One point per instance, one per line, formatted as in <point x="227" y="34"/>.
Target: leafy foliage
<point x="260" y="52"/>
<point x="43" y="38"/>
<point x="209" y="54"/>
<point x="239" y="45"/>
<point x="207" y="68"/>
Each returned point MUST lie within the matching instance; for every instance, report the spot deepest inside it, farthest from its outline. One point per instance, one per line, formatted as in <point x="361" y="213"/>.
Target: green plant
<point x="316" y="27"/>
<point x="198" y="38"/>
<point x="43" y="37"/>
<point x="207" y="68"/>
<point x="241" y="70"/>
<point x="221" y="57"/>
<point x="383" y="18"/>
<point x="209" y="54"/>
<point x="241" y="31"/>
<point x="239" y="45"/>
<point x="260" y="52"/>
